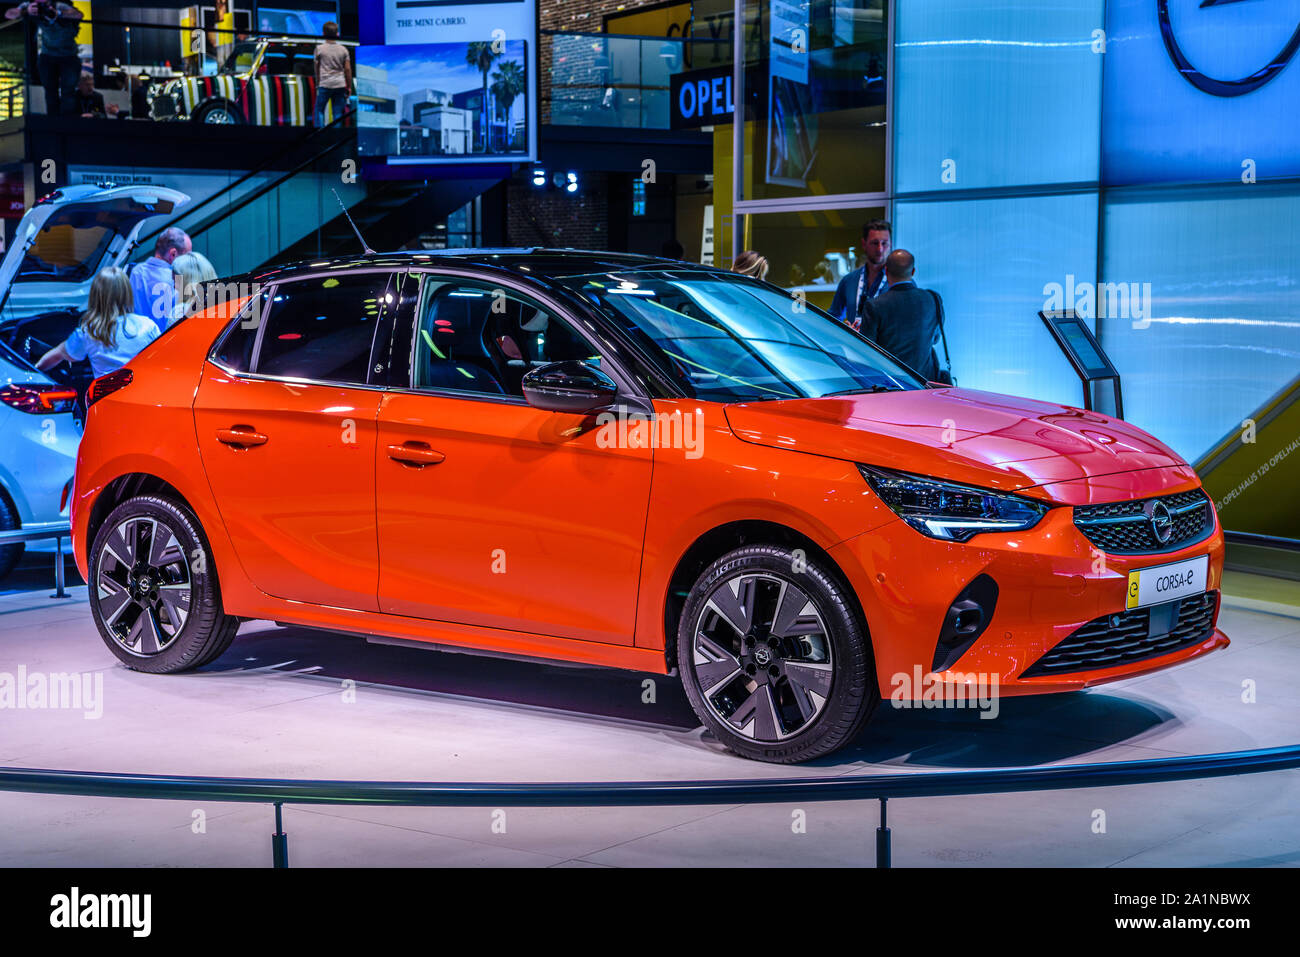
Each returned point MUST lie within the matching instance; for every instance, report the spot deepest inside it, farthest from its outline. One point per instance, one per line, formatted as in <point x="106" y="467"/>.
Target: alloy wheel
<point x="143" y="586"/>
<point x="762" y="656"/>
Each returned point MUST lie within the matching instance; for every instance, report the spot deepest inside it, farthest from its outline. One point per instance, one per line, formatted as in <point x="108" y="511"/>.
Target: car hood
<point x="108" y="219"/>
<point x="980" y="438"/>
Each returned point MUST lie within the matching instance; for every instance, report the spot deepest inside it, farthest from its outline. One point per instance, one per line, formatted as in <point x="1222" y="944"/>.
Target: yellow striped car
<point x="264" y="82"/>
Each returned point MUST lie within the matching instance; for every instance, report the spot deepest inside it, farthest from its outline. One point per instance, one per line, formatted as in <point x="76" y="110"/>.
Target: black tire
<point x="775" y="646"/>
<point x="218" y="113"/>
<point x="10" y="555"/>
<point x="157" y="608"/>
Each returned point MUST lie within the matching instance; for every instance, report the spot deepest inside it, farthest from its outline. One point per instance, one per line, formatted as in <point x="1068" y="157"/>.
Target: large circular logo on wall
<point x="1216" y="86"/>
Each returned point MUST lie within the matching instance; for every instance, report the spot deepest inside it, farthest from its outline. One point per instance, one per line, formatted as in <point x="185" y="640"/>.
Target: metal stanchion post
<point x="59" y="591"/>
<point x="882" y="838"/>
<point x="279" y="842"/>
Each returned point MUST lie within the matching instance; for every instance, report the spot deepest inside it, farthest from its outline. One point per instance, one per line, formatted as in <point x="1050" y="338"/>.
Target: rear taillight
<point x="108" y="384"/>
<point x="37" y="399"/>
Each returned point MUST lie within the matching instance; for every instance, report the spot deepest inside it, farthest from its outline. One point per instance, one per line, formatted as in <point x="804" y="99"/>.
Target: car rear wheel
<point x="773" y="656"/>
<point x="10" y="555"/>
<point x="153" y="588"/>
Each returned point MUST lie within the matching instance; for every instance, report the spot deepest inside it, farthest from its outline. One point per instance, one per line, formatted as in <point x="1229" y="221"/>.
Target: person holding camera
<point x="57" y="59"/>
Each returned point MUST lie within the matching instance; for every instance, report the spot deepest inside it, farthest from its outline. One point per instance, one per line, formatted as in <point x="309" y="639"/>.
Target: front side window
<point x="730" y="339"/>
<point x="323" y="328"/>
<point x="471" y="337"/>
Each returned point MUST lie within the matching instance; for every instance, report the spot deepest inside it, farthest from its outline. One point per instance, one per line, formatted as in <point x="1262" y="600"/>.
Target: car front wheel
<point x="153" y="588"/>
<point x="773" y="656"/>
<point x="217" y="113"/>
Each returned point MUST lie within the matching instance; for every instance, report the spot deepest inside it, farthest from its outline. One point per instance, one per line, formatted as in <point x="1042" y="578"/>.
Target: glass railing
<point x="613" y="81"/>
<point x="224" y="72"/>
<point x="257" y="214"/>
<point x="13" y="69"/>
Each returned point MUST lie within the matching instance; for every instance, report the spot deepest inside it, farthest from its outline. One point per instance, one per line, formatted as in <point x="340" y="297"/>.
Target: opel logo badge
<point x="761" y="656"/>
<point x="1162" y="522"/>
<point x="1213" y="85"/>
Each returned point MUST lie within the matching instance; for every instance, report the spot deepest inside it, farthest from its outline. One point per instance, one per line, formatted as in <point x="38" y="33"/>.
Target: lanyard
<point x="857" y="303"/>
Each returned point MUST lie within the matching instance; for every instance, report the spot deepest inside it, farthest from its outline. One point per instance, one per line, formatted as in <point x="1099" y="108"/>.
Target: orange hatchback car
<point x="636" y="463"/>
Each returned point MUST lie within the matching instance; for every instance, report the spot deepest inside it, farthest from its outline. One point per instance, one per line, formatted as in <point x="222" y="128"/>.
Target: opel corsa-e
<point x="629" y="462"/>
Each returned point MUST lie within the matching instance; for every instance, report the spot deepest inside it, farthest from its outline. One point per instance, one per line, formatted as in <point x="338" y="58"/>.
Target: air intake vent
<point x="1131" y="636"/>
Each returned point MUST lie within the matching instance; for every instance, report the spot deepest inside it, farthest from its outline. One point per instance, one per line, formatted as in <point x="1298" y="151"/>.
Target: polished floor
<point x="287" y="702"/>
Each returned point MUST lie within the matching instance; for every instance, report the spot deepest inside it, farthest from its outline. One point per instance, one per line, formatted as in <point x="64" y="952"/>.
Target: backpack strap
<point x="938" y="306"/>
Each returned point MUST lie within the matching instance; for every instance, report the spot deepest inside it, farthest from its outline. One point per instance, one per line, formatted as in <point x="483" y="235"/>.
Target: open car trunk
<point x="68" y="237"/>
<point x="61" y="244"/>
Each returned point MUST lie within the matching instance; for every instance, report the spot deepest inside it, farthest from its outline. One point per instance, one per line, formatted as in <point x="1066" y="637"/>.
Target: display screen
<point x="1077" y="338"/>
<point x="422" y="102"/>
<point x="293" y="21"/>
<point x="449" y="82"/>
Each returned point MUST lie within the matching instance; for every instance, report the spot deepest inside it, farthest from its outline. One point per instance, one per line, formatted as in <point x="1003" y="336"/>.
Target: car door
<point x="491" y="512"/>
<point x="285" y="415"/>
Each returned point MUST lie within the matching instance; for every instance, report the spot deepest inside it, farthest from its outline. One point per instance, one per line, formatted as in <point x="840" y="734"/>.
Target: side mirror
<point x="571" y="386"/>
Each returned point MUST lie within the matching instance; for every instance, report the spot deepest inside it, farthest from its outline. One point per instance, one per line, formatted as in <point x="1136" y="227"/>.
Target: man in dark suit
<point x="868" y="279"/>
<point x="86" y="101"/>
<point x="905" y="320"/>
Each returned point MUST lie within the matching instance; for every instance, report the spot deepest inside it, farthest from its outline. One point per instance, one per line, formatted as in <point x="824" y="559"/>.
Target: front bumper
<point x="1051" y="582"/>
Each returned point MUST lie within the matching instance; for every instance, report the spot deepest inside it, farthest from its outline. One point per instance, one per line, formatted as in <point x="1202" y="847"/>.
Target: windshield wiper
<point x="868" y="389"/>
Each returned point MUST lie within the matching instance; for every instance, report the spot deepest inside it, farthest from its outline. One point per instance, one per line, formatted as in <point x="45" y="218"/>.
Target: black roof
<point x="541" y="263"/>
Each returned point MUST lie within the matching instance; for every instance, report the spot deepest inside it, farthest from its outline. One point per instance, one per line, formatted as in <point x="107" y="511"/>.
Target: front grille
<point x="1131" y="636"/>
<point x="1124" y="528"/>
<point x="163" y="106"/>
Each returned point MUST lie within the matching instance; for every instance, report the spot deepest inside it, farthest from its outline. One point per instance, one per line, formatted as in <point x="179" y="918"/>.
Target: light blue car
<point x="62" y="242"/>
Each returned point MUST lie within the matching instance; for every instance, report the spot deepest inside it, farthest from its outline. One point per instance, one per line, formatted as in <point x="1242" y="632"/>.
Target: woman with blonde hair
<point x="750" y="263"/>
<point x="191" y="271"/>
<point x="109" y="334"/>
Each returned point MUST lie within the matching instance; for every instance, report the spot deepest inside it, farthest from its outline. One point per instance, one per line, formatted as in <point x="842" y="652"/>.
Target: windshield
<point x="241" y="58"/>
<point x="731" y="339"/>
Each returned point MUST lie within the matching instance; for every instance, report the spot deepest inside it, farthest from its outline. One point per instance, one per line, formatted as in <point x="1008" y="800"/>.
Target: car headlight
<point x="948" y="510"/>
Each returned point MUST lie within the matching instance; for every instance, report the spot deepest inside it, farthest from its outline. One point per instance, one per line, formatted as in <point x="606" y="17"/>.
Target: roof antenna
<point x="364" y="247"/>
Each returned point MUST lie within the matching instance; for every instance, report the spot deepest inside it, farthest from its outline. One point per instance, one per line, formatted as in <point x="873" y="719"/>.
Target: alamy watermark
<point x="1107" y="300"/>
<point x="62" y="691"/>
<point x="662" y="430"/>
<point x="975" y="690"/>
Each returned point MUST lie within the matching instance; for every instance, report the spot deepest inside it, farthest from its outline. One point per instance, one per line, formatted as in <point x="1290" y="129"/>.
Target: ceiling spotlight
<point x="539" y="177"/>
<point x="572" y="184"/>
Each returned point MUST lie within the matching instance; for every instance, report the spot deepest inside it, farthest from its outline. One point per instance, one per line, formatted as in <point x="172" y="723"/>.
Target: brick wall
<point x="552" y="217"/>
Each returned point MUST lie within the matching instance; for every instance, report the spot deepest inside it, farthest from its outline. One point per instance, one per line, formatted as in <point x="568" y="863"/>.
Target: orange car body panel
<point x="590" y="535"/>
<point x="300" y="508"/>
<point x="526" y="524"/>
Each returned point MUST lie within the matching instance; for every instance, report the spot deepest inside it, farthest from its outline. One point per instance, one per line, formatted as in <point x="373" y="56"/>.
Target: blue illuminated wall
<point x="1008" y="90"/>
<point x="1160" y="127"/>
<point x="1224" y="268"/>
<point x="1100" y="163"/>
<point x="989" y="259"/>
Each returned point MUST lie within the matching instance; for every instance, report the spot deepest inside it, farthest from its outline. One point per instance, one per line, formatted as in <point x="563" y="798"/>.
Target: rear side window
<point x="236" y="350"/>
<point x="323" y="328"/>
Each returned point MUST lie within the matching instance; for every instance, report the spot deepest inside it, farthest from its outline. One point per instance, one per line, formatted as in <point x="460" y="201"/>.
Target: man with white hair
<point x="152" y="282"/>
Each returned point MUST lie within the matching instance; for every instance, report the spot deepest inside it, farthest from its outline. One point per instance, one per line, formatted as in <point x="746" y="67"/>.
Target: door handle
<point x="415" y="453"/>
<point x="240" y="437"/>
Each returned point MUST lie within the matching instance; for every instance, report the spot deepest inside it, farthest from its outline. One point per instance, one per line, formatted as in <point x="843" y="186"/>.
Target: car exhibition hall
<point x="672" y="434"/>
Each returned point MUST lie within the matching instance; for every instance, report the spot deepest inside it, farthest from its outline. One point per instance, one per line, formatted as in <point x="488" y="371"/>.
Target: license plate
<point x="1161" y="583"/>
